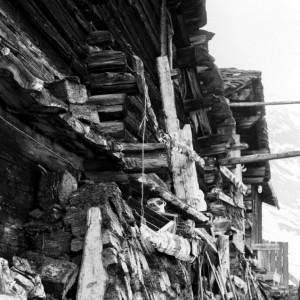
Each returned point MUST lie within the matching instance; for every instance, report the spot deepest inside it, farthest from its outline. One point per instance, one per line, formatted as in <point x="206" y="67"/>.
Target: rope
<point x="37" y="142"/>
<point x="143" y="128"/>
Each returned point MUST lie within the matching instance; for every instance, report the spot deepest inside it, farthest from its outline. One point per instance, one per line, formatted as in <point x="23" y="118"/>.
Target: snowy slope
<point x="284" y="224"/>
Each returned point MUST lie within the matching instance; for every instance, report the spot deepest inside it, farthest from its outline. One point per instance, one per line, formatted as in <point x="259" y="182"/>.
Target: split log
<point x="101" y="38"/>
<point x="155" y="157"/>
<point x="175" y="203"/>
<point x="106" y="83"/>
<point x="69" y="90"/>
<point x="115" y="129"/>
<point x="58" y="276"/>
<point x="88" y="136"/>
<point x="111" y="112"/>
<point x="106" y="60"/>
<point x="54" y="188"/>
<point x="107" y="100"/>
<point x="47" y="103"/>
<point x="92" y="278"/>
<point x="154" y="161"/>
<point x="85" y="113"/>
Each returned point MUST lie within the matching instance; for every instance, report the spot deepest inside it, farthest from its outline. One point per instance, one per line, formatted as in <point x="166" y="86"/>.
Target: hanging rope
<point x="143" y="128"/>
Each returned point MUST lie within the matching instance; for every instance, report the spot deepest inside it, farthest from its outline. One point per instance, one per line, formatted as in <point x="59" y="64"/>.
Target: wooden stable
<point x="122" y="156"/>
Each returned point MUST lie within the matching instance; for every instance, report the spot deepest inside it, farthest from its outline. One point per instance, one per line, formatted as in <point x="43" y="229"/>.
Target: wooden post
<point x="92" y="278"/>
<point x="257" y="158"/>
<point x="184" y="169"/>
<point x="223" y="251"/>
<point x="163" y="28"/>
<point x="252" y="104"/>
<point x="285" y="264"/>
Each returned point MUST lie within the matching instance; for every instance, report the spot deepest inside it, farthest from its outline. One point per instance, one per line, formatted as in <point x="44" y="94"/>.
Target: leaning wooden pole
<point x="252" y="104"/>
<point x="163" y="28"/>
<point x="92" y="278"/>
<point x="257" y="158"/>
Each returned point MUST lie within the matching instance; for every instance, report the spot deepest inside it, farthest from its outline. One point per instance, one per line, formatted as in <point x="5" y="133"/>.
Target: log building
<point x="117" y="134"/>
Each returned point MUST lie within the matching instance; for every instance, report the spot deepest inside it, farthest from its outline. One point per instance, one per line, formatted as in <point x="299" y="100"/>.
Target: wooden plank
<point x="92" y="277"/>
<point x="272" y="260"/>
<point x="285" y="264"/>
<point x="223" y="251"/>
<point x="265" y="247"/>
<point x="279" y="260"/>
<point x="234" y="179"/>
<point x="293" y="279"/>
<point x="217" y="194"/>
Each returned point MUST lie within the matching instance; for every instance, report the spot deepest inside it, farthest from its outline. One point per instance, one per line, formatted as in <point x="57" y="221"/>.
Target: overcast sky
<point x="262" y="35"/>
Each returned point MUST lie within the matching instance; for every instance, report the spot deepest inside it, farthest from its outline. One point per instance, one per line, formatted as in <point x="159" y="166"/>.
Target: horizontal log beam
<point x="107" y="100"/>
<point x="106" y="83"/>
<point x="257" y="158"/>
<point x="257" y="104"/>
<point x="101" y="38"/>
<point x="106" y="60"/>
<point x="265" y="247"/>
